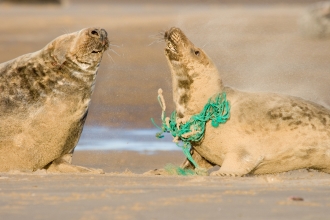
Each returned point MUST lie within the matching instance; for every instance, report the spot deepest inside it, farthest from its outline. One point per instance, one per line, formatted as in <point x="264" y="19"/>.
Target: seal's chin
<point x="100" y="46"/>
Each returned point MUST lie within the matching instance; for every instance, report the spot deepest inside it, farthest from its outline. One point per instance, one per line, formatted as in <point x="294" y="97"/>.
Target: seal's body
<point x="266" y="133"/>
<point x="44" y="99"/>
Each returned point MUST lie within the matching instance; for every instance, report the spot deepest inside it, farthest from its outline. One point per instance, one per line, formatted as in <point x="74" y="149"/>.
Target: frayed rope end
<point x="176" y="170"/>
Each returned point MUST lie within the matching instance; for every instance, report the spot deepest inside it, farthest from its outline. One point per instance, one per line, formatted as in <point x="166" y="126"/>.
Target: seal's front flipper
<point x="67" y="157"/>
<point x="202" y="163"/>
<point x="236" y="165"/>
<point x="63" y="165"/>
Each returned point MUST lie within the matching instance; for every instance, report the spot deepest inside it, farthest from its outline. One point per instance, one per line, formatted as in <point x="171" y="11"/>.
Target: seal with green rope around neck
<point x="216" y="110"/>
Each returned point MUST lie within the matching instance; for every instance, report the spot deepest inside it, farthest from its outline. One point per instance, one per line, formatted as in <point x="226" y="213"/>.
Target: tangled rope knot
<point x="216" y="110"/>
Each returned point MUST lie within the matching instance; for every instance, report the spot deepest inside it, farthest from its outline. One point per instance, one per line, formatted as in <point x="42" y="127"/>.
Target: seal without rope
<point x="44" y="100"/>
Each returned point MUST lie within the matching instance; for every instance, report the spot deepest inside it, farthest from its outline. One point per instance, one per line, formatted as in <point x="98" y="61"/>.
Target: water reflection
<point x="105" y="138"/>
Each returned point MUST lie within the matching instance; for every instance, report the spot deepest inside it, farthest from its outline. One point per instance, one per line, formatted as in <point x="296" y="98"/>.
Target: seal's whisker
<point x="155" y="41"/>
<point x="155" y="36"/>
<point x="205" y="44"/>
<point x="114" y="52"/>
<point x="66" y="31"/>
<point x="161" y="34"/>
<point x="114" y="45"/>
<point x="110" y="57"/>
<point x="158" y="36"/>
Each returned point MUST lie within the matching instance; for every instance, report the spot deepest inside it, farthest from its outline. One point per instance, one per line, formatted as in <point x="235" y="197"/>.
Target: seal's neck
<point x="192" y="88"/>
<point x="66" y="77"/>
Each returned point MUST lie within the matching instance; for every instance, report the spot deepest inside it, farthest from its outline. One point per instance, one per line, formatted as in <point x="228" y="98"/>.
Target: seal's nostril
<point x="95" y="33"/>
<point x="166" y="35"/>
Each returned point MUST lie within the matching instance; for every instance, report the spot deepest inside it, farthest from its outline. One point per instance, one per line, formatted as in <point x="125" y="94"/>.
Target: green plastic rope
<point x="217" y="110"/>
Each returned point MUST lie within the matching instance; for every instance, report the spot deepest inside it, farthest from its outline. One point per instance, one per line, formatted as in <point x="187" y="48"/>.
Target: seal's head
<point x="85" y="48"/>
<point x="183" y="54"/>
<point x="194" y="76"/>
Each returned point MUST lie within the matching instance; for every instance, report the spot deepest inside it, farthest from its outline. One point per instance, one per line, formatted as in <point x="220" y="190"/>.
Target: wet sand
<point x="256" y="48"/>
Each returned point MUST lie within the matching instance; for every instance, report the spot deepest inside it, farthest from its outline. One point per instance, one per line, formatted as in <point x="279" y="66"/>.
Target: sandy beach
<point x="123" y="193"/>
<point x="257" y="47"/>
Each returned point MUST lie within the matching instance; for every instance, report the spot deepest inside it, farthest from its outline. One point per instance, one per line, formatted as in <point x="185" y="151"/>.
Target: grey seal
<point x="266" y="132"/>
<point x="44" y="99"/>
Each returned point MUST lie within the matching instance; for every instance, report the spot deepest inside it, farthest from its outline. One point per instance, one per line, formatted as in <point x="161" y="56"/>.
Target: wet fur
<point x="44" y="102"/>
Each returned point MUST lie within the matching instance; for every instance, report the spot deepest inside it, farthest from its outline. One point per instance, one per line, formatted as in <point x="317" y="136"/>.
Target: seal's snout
<point x="166" y="35"/>
<point x="174" y="40"/>
<point x="104" y="38"/>
<point x="98" y="33"/>
<point x="98" y="37"/>
<point x="94" y="33"/>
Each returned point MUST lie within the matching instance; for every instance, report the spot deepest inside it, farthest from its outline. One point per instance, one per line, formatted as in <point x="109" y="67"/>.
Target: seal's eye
<point x="197" y="53"/>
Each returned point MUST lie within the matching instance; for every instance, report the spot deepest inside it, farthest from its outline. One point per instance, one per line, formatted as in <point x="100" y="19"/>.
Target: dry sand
<point x="256" y="47"/>
<point x="121" y="194"/>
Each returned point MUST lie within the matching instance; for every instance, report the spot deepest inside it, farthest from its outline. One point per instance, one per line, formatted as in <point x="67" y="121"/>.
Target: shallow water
<point x="106" y="138"/>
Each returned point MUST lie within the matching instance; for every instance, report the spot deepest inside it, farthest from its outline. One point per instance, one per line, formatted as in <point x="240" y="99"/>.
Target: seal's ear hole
<point x="197" y="53"/>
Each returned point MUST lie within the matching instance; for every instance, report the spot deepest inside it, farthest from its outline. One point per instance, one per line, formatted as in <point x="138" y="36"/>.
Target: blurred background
<point x="280" y="46"/>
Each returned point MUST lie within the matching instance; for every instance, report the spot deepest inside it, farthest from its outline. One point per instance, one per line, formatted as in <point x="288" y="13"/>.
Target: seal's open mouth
<point x="171" y="47"/>
<point x="97" y="51"/>
<point x="175" y="43"/>
<point x="173" y="38"/>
